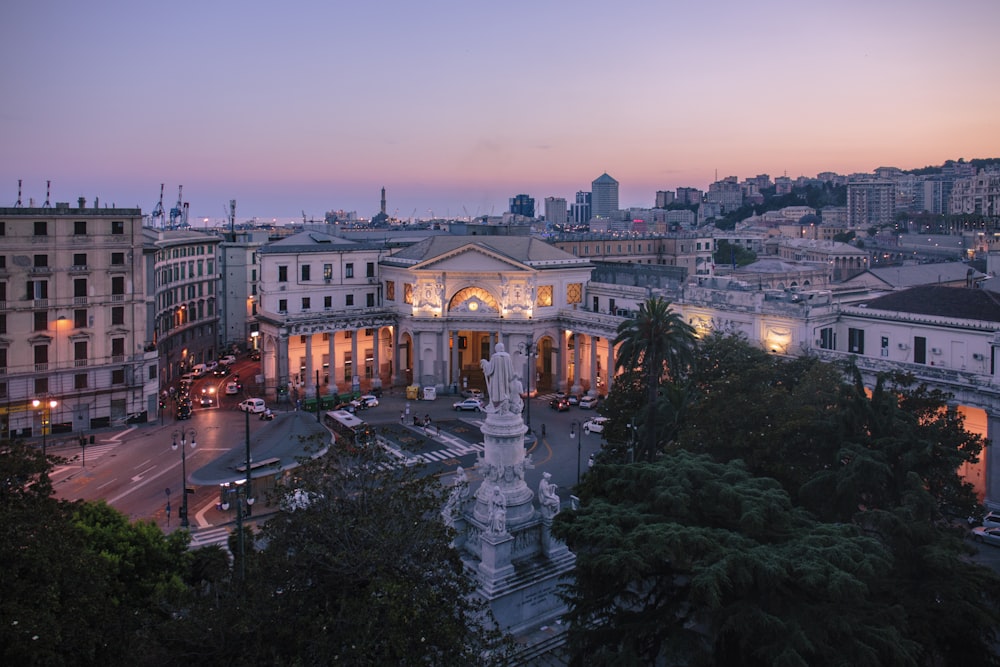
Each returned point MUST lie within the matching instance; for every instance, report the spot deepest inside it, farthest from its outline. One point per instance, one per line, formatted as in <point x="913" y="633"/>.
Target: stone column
<point x="332" y="366"/>
<point x="310" y="375"/>
<point x="594" y="340"/>
<point x="577" y="387"/>
<point x="502" y="464"/>
<point x="610" y="362"/>
<point x="356" y="368"/>
<point x="376" y="341"/>
<point x="282" y="370"/>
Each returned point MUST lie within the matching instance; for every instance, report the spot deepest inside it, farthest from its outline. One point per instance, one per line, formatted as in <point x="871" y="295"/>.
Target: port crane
<point x="179" y="213"/>
<point x="157" y="213"/>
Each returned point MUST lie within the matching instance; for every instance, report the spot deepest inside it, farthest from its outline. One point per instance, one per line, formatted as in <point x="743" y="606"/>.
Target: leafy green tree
<point x="688" y="561"/>
<point x="358" y="570"/>
<point x="660" y="343"/>
<point x="773" y="413"/>
<point x="881" y="463"/>
<point x="727" y="253"/>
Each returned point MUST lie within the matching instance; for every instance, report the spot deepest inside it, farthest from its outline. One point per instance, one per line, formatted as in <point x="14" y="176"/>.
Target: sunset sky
<point x="455" y="107"/>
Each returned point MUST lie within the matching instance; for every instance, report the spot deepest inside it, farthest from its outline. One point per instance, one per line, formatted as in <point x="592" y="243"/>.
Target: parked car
<point x="559" y="404"/>
<point x="210" y="365"/>
<point x="588" y="402"/>
<point x="468" y="404"/>
<point x="573" y="399"/>
<point x="232" y="388"/>
<point x="595" y="425"/>
<point x="991" y="520"/>
<point x="254" y="405"/>
<point x="985" y="535"/>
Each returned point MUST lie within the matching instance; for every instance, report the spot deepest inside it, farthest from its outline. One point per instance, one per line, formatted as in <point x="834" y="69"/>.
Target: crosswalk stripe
<point x="203" y="538"/>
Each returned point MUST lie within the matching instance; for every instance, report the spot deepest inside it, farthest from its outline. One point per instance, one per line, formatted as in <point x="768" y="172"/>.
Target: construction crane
<point x="157" y="213"/>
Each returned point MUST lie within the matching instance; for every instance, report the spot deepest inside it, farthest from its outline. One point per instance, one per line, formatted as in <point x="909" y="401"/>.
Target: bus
<point x="349" y="429"/>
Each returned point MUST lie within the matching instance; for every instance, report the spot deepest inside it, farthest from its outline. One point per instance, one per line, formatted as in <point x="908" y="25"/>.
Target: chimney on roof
<point x="82" y="201"/>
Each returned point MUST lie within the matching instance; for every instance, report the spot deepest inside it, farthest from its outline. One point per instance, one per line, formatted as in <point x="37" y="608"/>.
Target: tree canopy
<point x="659" y="344"/>
<point x="796" y="518"/>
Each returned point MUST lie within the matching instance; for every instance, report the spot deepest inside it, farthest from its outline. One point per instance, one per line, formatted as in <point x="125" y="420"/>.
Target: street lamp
<point x="531" y="352"/>
<point x="239" y="488"/>
<point x="182" y="435"/>
<point x="43" y="406"/>
<point x="574" y="429"/>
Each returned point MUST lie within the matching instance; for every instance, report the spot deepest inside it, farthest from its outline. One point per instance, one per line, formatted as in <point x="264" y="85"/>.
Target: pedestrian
<point x="543" y="430"/>
<point x="402" y="416"/>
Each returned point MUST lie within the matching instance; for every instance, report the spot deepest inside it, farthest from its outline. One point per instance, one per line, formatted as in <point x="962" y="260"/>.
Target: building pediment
<point x="471" y="258"/>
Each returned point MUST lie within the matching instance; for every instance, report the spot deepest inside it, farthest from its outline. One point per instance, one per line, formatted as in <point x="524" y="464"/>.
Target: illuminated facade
<point x="73" y="325"/>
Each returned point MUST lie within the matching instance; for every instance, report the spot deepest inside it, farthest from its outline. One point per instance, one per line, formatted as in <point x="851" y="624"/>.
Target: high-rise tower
<point x="604" y="196"/>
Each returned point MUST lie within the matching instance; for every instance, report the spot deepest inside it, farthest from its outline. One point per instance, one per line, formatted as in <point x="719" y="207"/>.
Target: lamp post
<point x="249" y="481"/>
<point x="574" y="430"/>
<point x="182" y="435"/>
<point x="239" y="488"/>
<point x="530" y="352"/>
<point x="44" y="407"/>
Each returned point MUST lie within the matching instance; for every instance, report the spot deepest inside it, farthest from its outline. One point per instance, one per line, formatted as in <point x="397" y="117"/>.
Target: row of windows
<point x="186" y="270"/>
<point x="80" y="381"/>
<point x="327" y="302"/>
<point x="81" y="356"/>
<point x="184" y="251"/>
<point x="80" y="227"/>
<point x="79" y="260"/>
<point x="81" y="319"/>
<point x="39" y="289"/>
<point x="168" y="298"/>
<point x="305" y="271"/>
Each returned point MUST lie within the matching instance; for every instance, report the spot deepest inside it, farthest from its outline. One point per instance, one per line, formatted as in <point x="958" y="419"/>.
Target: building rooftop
<point x="938" y="300"/>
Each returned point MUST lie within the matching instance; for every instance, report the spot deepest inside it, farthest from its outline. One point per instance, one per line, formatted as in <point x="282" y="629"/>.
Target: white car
<point x="595" y="425"/>
<point x="985" y="535"/>
<point x="232" y="388"/>
<point x="468" y="404"/>
<point x="227" y="360"/>
<point x="588" y="402"/>
<point x="254" y="405"/>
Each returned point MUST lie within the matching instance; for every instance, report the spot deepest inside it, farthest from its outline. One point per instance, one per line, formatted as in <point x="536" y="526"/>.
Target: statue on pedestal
<point x="499" y="372"/>
<point x="457" y="496"/>
<point x="547" y="497"/>
<point x="498" y="512"/>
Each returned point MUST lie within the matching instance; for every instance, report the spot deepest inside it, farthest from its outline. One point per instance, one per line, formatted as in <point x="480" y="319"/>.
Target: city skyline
<point x="454" y="109"/>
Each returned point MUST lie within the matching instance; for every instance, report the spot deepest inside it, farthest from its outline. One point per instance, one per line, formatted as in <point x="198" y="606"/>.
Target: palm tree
<point x="660" y="344"/>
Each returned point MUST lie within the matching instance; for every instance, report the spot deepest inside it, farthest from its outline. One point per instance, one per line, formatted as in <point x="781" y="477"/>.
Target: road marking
<point x="211" y="536"/>
<point x="106" y="483"/>
<point x="138" y="478"/>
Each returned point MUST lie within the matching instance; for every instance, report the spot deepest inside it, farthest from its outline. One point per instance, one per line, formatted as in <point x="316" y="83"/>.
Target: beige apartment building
<point x="75" y="352"/>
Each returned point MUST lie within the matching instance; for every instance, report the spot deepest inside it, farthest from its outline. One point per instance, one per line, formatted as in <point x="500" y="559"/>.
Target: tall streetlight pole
<point x="247" y="462"/>
<point x="238" y="489"/>
<point x="574" y="431"/>
<point x="182" y="435"/>
<point x="43" y="407"/>
<point x="531" y="352"/>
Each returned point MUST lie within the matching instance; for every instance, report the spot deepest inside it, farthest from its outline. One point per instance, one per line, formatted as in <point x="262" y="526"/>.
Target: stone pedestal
<point x="519" y="570"/>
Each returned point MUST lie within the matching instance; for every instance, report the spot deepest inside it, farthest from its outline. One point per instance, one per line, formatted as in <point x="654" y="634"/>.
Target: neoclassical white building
<point x="356" y="317"/>
<point x="338" y="315"/>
